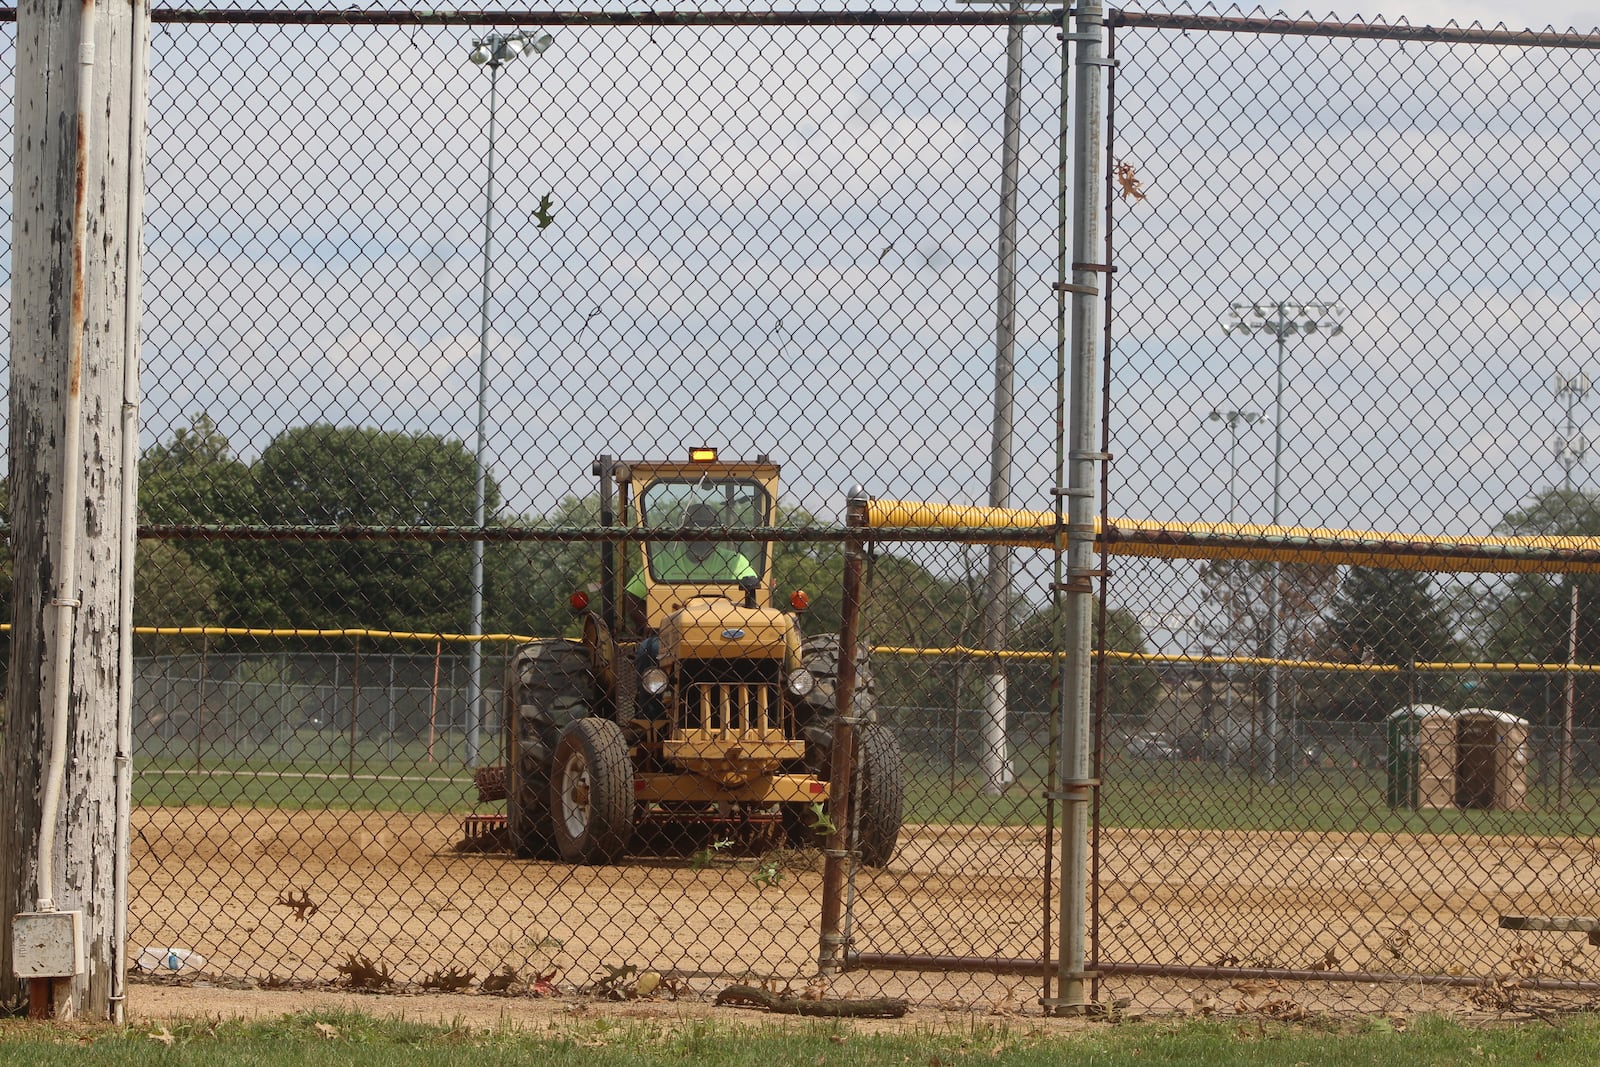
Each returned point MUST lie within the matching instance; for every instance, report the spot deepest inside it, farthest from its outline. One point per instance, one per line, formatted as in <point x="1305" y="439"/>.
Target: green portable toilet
<point x="1415" y="754"/>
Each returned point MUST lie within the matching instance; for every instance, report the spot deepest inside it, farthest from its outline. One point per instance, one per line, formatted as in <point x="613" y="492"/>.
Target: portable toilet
<point x="1422" y="757"/>
<point x="1492" y="760"/>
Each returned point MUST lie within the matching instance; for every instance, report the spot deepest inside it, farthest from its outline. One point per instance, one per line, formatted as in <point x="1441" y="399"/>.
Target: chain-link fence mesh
<point x="1356" y="292"/>
<point x="782" y="240"/>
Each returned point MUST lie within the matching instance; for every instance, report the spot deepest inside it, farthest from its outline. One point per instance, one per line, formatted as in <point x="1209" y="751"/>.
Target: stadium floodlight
<point x="492" y="50"/>
<point x="1281" y="320"/>
<point x="495" y="49"/>
<point x="1233" y="418"/>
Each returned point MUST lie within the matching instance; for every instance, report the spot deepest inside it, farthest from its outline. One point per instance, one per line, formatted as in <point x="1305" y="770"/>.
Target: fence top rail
<point x="596" y="534"/>
<point x="237" y="16"/>
<point x="1260" y="542"/>
<point x="914" y="521"/>
<point x="1372" y="31"/>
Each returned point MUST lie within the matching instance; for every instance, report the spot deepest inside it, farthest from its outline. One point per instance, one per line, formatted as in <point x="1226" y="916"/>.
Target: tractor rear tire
<point x="882" y="793"/>
<point x="548" y="683"/>
<point x="591" y="792"/>
<point x="528" y="816"/>
<point x="820" y="656"/>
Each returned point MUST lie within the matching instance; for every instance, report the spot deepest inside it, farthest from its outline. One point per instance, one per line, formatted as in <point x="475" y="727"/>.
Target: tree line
<point x="1397" y="619"/>
<point x="327" y="476"/>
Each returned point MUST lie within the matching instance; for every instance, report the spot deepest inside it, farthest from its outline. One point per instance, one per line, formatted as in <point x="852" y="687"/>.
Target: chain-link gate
<point x="783" y="234"/>
<point x="1355" y="299"/>
<point x="391" y="294"/>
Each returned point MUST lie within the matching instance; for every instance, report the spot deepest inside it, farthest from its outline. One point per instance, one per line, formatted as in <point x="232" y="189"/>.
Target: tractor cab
<point x="697" y="502"/>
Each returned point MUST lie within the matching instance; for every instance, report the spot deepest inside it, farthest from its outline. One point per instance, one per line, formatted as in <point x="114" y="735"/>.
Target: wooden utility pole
<point x="77" y="217"/>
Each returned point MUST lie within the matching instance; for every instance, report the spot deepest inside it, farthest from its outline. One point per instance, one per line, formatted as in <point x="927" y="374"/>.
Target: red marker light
<point x="798" y="600"/>
<point x="578" y="600"/>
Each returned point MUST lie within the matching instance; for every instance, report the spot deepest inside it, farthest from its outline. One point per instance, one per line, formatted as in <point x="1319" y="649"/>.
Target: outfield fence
<point x="1347" y="281"/>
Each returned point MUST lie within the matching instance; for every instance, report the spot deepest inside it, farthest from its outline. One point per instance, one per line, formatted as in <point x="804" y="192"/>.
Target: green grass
<point x="318" y="771"/>
<point x="311" y="1040"/>
<point x="1204" y="796"/>
<point x="325" y="774"/>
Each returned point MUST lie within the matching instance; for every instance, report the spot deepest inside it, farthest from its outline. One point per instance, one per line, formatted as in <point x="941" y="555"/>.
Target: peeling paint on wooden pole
<point x="45" y="186"/>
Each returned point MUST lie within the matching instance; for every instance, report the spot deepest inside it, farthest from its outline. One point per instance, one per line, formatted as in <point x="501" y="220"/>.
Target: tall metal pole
<point x="833" y="946"/>
<point x="1232" y="418"/>
<point x="1274" y="573"/>
<point x="1078" y="416"/>
<point x="480" y="479"/>
<point x="1569" y="452"/>
<point x="1276" y="318"/>
<point x="995" y="753"/>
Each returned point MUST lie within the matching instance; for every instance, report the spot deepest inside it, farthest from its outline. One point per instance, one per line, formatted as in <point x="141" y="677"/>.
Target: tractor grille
<point x="742" y="710"/>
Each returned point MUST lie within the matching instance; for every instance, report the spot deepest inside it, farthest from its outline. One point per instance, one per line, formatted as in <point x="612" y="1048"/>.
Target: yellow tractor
<point x="691" y="698"/>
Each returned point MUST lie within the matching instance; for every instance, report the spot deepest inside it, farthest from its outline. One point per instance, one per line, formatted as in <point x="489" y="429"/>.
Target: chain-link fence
<point x="1356" y="293"/>
<point x="778" y="234"/>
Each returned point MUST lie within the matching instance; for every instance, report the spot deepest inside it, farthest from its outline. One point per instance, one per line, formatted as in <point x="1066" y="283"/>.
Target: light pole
<point x="1570" y="447"/>
<point x="493" y="50"/>
<point x="1282" y="320"/>
<point x="1232" y="418"/>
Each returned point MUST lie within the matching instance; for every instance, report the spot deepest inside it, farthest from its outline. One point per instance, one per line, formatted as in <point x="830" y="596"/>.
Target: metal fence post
<point x="1075" y="594"/>
<point x="832" y="947"/>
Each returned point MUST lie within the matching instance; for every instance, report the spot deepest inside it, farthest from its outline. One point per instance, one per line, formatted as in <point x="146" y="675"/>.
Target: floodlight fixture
<point x="494" y="49"/>
<point x="1280" y="320"/>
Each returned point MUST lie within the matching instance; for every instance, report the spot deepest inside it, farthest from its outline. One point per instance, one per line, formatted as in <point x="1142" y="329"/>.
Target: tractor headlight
<point x="653" y="681"/>
<point x="801" y="681"/>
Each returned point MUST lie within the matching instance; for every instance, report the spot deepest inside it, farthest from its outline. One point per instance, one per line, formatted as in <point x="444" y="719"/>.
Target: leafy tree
<point x="1390" y="617"/>
<point x="528" y="582"/>
<point x="328" y="476"/>
<point x="195" y="480"/>
<point x="1239" y="595"/>
<point x="815" y="567"/>
<point x="171" y="588"/>
<point x="1528" y="619"/>
<point x="1132" y="687"/>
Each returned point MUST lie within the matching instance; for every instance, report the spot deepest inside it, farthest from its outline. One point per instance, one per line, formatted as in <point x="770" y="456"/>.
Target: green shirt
<point x="671" y="562"/>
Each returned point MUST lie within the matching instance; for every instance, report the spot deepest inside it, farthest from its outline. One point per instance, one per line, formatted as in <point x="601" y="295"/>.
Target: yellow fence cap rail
<point x="1159" y="539"/>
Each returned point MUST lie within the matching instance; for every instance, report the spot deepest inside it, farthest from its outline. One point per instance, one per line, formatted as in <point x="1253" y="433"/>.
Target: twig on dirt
<point x="745" y="996"/>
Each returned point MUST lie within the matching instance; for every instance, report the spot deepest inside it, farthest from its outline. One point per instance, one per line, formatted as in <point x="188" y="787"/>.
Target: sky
<point x="784" y="243"/>
<point x="1536" y="15"/>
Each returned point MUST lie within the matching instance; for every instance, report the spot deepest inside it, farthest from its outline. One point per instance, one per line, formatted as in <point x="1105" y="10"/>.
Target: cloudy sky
<point x="783" y="242"/>
<point x="1537" y="15"/>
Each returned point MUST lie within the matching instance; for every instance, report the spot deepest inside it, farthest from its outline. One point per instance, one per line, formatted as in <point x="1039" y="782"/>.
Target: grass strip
<point x="314" y="1039"/>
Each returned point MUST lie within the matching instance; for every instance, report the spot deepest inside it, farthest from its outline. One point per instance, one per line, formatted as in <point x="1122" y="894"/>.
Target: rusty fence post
<point x="838" y="854"/>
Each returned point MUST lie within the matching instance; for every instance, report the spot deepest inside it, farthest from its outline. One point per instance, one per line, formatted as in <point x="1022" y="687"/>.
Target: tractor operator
<point x="682" y="561"/>
<point x="689" y="561"/>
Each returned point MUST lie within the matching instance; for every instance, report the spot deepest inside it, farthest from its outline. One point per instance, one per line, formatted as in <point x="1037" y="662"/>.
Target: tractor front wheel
<point x="591" y="792"/>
